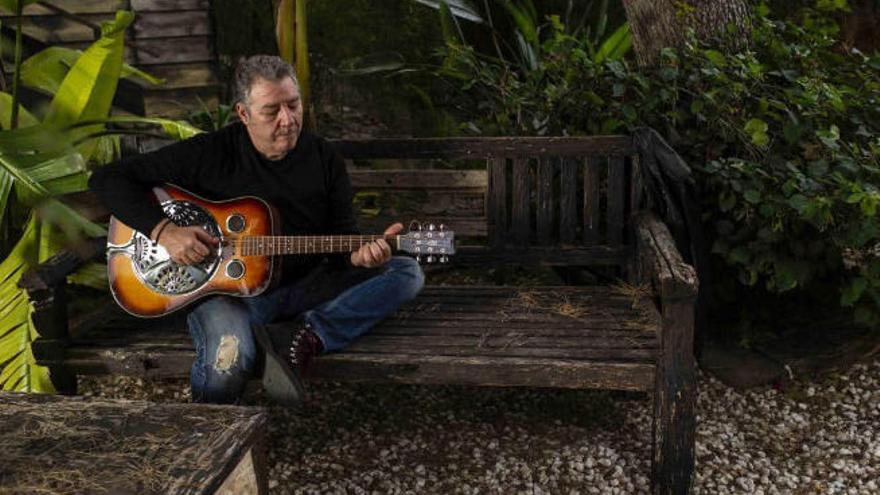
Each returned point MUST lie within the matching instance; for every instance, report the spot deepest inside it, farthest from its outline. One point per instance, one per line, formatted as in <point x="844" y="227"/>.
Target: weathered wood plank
<point x="520" y="217"/>
<point x="191" y="448"/>
<point x="587" y="255"/>
<point x="174" y="50"/>
<point x="592" y="196"/>
<point x="568" y="201"/>
<point x="164" y="5"/>
<point x="419" y="179"/>
<point x="636" y="185"/>
<point x="646" y="355"/>
<point x="179" y="76"/>
<point x="496" y="202"/>
<point x="449" y="370"/>
<point x="485" y="147"/>
<point x="545" y="201"/>
<point x="57" y="29"/>
<point x="178" y="103"/>
<point x="616" y="197"/>
<point x="149" y="25"/>
<point x="74" y="6"/>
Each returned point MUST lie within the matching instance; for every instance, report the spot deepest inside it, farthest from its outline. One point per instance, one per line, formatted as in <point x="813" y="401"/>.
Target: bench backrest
<point x="555" y="200"/>
<point x="558" y="201"/>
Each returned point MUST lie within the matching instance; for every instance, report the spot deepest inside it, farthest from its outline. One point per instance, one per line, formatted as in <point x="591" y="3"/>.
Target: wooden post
<point x="675" y="386"/>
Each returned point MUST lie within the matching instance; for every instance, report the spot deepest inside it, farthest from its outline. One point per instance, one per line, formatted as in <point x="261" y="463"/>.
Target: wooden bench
<point x="572" y="203"/>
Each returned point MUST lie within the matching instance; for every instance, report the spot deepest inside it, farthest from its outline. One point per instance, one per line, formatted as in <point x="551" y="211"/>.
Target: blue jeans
<point x="339" y="303"/>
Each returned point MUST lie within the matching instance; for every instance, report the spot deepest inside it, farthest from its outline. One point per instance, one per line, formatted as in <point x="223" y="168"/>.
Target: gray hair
<point x="269" y="67"/>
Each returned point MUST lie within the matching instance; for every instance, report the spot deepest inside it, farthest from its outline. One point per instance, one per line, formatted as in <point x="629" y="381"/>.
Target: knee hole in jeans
<point x="227" y="353"/>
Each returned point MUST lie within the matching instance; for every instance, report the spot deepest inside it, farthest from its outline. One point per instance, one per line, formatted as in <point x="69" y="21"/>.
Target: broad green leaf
<point x="92" y="275"/>
<point x="46" y="69"/>
<point x="25" y="118"/>
<point x="757" y="130"/>
<point x="525" y="23"/>
<point x="19" y="369"/>
<point x="87" y="91"/>
<point x="717" y="58"/>
<point x="174" y="129"/>
<point x="616" y="46"/>
<point x="373" y="63"/>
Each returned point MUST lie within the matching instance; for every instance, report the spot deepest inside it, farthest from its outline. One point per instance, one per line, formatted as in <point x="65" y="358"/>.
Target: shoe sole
<point x="279" y="382"/>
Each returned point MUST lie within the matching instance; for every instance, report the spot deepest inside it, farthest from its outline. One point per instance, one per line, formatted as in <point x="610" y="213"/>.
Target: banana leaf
<point x="46" y="69"/>
<point x="25" y="118"/>
<point x="17" y="331"/>
<point x="87" y="91"/>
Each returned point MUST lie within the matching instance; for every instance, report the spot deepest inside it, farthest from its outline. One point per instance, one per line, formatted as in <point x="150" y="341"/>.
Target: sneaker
<point x="289" y="355"/>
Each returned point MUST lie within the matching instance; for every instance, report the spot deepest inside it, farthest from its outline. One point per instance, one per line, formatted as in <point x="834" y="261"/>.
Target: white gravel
<point x="817" y="436"/>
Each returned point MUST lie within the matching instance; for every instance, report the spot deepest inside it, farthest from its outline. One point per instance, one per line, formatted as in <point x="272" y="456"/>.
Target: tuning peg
<point x="431" y="226"/>
<point x="444" y="259"/>
<point x="418" y="258"/>
<point x="431" y="259"/>
<point x="415" y="225"/>
<point x="441" y="228"/>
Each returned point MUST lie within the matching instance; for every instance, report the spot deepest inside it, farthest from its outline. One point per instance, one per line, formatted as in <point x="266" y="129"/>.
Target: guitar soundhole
<point x="235" y="269"/>
<point x="235" y="222"/>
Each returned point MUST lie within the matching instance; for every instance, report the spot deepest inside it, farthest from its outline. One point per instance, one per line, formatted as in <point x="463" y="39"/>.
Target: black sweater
<point x="309" y="187"/>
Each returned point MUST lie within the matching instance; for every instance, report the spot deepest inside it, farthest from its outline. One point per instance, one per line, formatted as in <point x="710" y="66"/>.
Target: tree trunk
<point x="657" y="24"/>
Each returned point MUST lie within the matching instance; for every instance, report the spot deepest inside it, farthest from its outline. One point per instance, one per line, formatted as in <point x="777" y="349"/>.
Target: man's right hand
<point x="187" y="245"/>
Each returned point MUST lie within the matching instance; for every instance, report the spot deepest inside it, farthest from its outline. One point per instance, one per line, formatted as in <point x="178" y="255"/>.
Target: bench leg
<point x="675" y="392"/>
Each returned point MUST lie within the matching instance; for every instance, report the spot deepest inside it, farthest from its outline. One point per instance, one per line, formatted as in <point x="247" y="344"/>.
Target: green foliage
<point x="783" y="137"/>
<point x="43" y="158"/>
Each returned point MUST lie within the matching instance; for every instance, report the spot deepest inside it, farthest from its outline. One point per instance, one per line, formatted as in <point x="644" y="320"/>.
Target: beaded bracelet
<point x="167" y="221"/>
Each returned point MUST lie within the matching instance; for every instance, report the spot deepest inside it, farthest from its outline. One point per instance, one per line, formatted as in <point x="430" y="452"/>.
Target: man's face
<point x="273" y="116"/>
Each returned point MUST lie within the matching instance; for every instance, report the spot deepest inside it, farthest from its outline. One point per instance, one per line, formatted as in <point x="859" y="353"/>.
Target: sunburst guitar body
<point x="147" y="283"/>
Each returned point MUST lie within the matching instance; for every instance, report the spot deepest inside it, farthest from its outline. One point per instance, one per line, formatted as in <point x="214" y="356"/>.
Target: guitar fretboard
<point x="279" y="245"/>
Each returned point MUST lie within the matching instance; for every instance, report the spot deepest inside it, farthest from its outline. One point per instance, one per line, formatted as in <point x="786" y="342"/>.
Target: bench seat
<point x="569" y="337"/>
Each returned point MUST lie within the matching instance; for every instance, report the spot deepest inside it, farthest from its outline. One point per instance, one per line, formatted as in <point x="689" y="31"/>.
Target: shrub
<point x="782" y="136"/>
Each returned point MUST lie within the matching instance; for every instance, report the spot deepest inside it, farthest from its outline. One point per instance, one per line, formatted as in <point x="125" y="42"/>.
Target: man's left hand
<point x="376" y="253"/>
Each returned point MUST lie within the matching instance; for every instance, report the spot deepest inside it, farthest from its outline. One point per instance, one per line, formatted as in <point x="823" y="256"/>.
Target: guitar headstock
<point x="429" y="242"/>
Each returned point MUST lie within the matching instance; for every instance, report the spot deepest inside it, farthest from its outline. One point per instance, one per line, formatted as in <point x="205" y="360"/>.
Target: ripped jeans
<point x="339" y="303"/>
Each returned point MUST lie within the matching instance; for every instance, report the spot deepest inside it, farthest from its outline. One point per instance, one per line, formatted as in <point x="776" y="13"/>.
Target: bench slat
<point x="544" y="200"/>
<point x="616" y="199"/>
<point x="496" y="202"/>
<point x="591" y="201"/>
<point x="484" y="147"/>
<point x="485" y="371"/>
<point x="568" y="201"/>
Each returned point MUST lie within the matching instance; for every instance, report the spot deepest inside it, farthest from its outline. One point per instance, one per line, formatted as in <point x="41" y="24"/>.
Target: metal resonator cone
<point x="153" y="265"/>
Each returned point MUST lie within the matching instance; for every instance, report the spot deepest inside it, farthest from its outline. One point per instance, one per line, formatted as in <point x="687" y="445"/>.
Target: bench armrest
<point x="659" y="263"/>
<point x="55" y="270"/>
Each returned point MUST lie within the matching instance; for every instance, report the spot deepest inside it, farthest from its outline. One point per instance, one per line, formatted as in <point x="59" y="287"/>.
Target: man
<point x="332" y="299"/>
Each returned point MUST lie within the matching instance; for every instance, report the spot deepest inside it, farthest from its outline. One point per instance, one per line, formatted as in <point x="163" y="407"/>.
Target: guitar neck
<point x="323" y="244"/>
